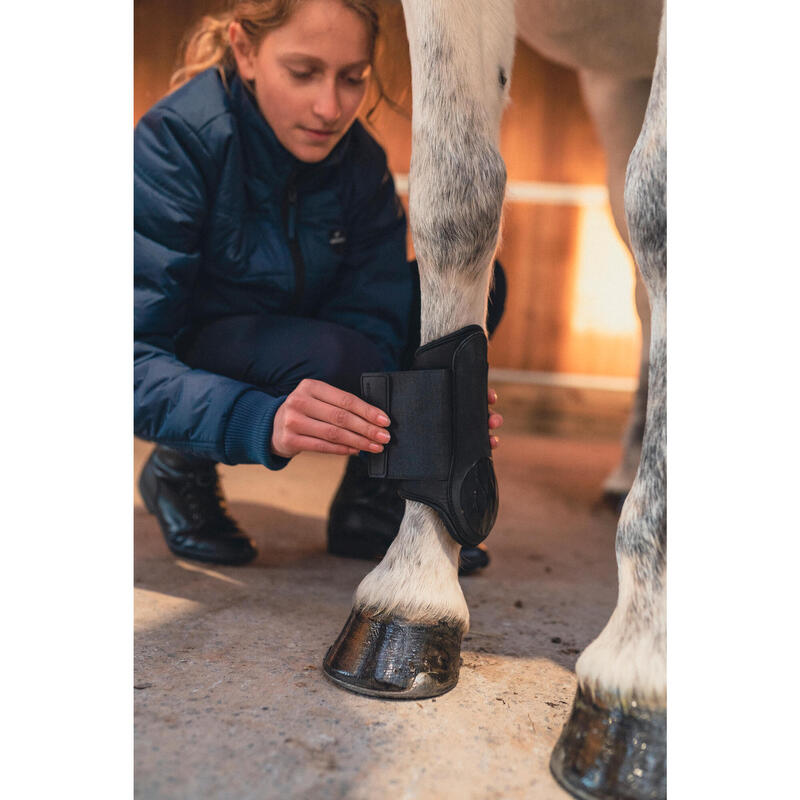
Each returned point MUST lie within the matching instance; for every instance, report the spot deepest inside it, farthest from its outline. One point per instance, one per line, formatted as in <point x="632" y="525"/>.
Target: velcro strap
<point x="419" y="405"/>
<point x="440" y="451"/>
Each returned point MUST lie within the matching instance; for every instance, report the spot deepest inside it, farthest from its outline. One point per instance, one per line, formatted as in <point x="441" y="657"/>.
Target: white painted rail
<point x="585" y="195"/>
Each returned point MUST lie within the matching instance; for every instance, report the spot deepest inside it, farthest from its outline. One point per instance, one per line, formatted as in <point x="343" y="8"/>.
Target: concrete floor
<point x="230" y="700"/>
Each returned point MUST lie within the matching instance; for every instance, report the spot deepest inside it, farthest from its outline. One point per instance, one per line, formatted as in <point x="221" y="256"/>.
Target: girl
<point x="270" y="272"/>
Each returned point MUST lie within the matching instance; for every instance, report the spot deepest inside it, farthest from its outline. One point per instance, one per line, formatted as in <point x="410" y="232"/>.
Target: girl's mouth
<point x="319" y="135"/>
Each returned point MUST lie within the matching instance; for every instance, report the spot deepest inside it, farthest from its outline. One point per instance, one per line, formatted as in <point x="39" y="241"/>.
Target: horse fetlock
<point x="627" y="662"/>
<point x="614" y="742"/>
<point x="624" y="670"/>
<point x="417" y="580"/>
<point x="403" y="637"/>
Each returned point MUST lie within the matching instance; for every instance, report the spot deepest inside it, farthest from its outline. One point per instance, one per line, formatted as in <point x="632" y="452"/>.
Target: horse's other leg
<point x="403" y="637"/>
<point x="614" y="743"/>
<point x="617" y="107"/>
<point x="619" y="481"/>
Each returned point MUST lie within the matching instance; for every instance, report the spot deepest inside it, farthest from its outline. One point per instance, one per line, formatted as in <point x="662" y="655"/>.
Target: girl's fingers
<point x="329" y="432"/>
<point x="309" y="443"/>
<point x="495" y="421"/>
<point x="492" y="397"/>
<point x="346" y="421"/>
<point x="494" y="441"/>
<point x="347" y="402"/>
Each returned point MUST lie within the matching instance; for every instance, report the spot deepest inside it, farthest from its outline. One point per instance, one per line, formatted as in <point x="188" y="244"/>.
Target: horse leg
<point x="619" y="481"/>
<point x="617" y="107"/>
<point x="614" y="743"/>
<point x="403" y="637"/>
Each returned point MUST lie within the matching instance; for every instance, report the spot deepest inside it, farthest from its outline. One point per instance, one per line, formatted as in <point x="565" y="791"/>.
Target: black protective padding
<point x="440" y="451"/>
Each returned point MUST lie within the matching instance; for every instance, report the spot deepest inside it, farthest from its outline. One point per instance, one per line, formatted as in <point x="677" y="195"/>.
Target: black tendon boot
<point x="184" y="494"/>
<point x="365" y="517"/>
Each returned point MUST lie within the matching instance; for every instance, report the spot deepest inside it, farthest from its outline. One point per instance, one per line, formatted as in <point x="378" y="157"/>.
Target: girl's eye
<point x="300" y="75"/>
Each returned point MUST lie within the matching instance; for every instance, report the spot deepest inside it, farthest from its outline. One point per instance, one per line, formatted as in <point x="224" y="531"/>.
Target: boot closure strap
<point x="440" y="450"/>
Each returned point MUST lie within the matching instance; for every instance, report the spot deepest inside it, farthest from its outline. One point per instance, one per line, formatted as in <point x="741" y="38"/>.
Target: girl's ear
<point x="243" y="51"/>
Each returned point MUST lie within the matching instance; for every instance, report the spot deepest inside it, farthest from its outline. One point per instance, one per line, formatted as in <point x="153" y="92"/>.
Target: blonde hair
<point x="207" y="45"/>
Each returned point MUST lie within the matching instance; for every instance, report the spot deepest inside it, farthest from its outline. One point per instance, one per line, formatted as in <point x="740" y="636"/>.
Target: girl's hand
<point x="495" y="419"/>
<point x="319" y="418"/>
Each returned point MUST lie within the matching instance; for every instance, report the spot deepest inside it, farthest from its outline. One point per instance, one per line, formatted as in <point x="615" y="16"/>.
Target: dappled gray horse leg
<point x="617" y="106"/>
<point x="403" y="636"/>
<point x="619" y="481"/>
<point x="614" y="743"/>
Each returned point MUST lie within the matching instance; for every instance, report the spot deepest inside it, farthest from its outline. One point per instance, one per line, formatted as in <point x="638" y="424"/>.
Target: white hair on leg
<point x="628" y="659"/>
<point x="417" y="578"/>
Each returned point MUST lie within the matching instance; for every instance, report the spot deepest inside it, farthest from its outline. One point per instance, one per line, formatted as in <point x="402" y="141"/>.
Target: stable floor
<point x="230" y="699"/>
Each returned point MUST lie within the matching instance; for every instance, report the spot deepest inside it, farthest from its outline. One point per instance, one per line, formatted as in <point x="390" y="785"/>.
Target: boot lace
<point x="204" y="498"/>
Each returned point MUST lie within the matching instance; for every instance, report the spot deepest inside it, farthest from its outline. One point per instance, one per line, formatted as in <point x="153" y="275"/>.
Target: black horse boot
<point x="184" y="494"/>
<point x="365" y="517"/>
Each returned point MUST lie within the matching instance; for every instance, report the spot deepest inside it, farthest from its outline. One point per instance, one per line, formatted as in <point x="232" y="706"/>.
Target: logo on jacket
<point x="337" y="240"/>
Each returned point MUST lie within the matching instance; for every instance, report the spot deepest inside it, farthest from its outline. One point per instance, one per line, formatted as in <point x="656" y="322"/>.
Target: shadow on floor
<point x="231" y="701"/>
<point x="511" y="615"/>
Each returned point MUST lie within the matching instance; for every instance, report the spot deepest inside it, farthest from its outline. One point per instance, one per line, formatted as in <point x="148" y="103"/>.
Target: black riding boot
<point x="365" y="517"/>
<point x="184" y="494"/>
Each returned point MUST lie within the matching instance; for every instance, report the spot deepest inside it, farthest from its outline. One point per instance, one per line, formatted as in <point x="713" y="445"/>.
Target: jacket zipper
<point x="290" y="216"/>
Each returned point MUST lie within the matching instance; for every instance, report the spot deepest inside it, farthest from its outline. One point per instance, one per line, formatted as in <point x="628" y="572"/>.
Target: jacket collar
<point x="266" y="158"/>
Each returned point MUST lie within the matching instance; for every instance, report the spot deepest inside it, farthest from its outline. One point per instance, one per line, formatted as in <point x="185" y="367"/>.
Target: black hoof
<point x="605" y="753"/>
<point x="395" y="658"/>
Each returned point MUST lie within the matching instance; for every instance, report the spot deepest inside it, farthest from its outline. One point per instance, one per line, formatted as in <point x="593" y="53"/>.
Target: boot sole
<point x="206" y="560"/>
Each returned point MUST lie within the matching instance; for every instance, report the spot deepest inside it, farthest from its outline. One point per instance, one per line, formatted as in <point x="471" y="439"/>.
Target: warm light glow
<point x="152" y="609"/>
<point x="603" y="300"/>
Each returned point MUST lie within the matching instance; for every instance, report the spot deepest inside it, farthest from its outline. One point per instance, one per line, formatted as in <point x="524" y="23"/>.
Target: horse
<point x="402" y="638"/>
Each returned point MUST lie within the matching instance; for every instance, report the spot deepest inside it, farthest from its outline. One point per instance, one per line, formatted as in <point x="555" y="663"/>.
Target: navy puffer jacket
<point x="227" y="221"/>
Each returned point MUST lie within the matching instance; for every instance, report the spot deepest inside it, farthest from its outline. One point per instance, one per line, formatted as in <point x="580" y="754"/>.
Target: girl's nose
<point x="326" y="104"/>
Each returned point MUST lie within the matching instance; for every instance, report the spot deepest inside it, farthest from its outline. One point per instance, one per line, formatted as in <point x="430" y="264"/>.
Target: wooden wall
<point x="570" y="305"/>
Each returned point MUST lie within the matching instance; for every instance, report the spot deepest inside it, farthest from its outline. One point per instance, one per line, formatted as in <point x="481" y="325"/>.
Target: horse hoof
<point x="607" y="753"/>
<point x="394" y="658"/>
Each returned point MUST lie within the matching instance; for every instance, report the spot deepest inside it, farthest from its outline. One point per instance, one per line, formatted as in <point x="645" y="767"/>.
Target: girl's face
<point x="310" y="75"/>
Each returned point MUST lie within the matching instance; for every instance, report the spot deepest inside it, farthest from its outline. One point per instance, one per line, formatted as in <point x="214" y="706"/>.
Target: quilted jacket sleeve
<point x="374" y="289"/>
<point x="206" y="414"/>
